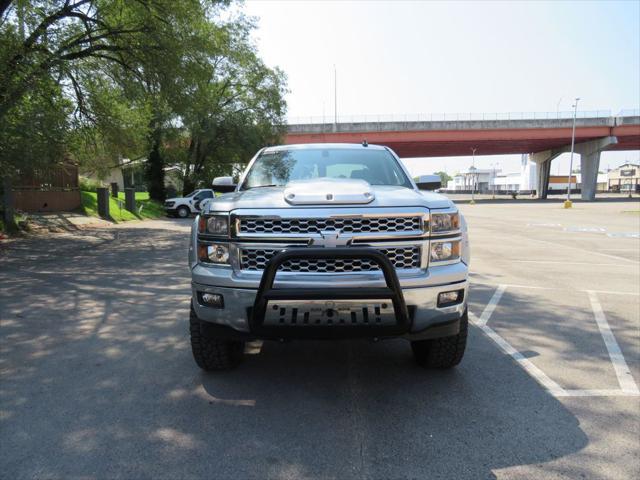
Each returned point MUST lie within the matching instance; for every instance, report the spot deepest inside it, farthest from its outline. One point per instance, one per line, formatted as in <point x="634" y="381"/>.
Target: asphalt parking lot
<point x="97" y="379"/>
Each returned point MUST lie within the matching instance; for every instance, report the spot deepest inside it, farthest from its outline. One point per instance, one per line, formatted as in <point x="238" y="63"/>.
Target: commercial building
<point x="492" y="179"/>
<point x="625" y="178"/>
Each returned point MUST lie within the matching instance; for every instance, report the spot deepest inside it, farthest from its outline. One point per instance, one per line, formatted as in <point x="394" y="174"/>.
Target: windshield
<point x="191" y="194"/>
<point x="277" y="168"/>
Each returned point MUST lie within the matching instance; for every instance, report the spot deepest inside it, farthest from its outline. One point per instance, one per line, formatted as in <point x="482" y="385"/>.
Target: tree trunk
<point x="154" y="171"/>
<point x="188" y="186"/>
<point x="8" y="219"/>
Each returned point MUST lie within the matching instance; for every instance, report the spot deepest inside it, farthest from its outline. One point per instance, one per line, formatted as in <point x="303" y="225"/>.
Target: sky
<point x="420" y="57"/>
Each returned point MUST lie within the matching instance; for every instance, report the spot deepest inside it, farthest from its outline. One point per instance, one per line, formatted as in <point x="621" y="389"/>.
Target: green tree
<point x="444" y="178"/>
<point x="237" y="106"/>
<point x="175" y="82"/>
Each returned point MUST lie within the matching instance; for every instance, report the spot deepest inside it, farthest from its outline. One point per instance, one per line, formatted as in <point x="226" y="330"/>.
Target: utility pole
<point x="335" y="98"/>
<point x="558" y="108"/>
<point x="473" y="175"/>
<point x="494" y="180"/>
<point x="567" y="203"/>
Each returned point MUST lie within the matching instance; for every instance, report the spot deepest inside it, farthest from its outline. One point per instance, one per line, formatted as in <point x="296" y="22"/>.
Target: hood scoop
<point x="328" y="191"/>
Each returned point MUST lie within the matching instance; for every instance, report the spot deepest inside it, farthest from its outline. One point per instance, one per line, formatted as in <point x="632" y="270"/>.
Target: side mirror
<point x="429" y="182"/>
<point x="223" y="184"/>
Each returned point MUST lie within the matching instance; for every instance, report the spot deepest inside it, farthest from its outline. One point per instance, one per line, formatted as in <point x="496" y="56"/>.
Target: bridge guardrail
<point x="445" y="117"/>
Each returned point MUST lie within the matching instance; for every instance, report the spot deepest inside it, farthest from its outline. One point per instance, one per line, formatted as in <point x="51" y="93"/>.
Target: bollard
<point x="130" y="199"/>
<point x="114" y="190"/>
<point x="103" y="202"/>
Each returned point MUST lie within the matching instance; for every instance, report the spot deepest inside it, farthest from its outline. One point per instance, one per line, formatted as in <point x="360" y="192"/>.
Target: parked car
<point x="185" y="206"/>
<point x="328" y="241"/>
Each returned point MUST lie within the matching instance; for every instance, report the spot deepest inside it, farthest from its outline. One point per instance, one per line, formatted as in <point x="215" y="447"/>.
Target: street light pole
<point x="494" y="181"/>
<point x="567" y="203"/>
<point x="335" y="96"/>
<point x="473" y="173"/>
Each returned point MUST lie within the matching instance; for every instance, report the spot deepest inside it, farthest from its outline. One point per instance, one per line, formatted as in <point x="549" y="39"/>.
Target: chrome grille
<point x="401" y="258"/>
<point x="317" y="225"/>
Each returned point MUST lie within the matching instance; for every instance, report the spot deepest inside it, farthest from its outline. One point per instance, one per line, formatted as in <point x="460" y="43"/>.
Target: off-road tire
<point x="445" y="352"/>
<point x="213" y="354"/>
<point x="183" y="212"/>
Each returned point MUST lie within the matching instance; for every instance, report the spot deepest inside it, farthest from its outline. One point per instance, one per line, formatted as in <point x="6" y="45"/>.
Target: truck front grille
<point x="401" y="258"/>
<point x="285" y="226"/>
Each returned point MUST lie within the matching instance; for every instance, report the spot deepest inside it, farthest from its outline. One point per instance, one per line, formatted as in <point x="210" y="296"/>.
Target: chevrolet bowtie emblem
<point x="331" y="239"/>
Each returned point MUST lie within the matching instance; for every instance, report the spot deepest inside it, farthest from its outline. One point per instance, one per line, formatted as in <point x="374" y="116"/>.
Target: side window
<point x="206" y="194"/>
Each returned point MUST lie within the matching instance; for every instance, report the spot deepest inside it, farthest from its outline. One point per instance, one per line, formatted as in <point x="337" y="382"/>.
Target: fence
<point x="52" y="189"/>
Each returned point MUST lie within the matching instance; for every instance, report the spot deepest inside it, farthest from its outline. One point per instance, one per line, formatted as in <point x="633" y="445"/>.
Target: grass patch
<point x="146" y="209"/>
<point x="140" y="196"/>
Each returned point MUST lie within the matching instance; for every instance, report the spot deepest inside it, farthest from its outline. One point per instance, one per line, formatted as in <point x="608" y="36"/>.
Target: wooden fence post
<point x="103" y="202"/>
<point x="130" y="199"/>
<point x="7" y="200"/>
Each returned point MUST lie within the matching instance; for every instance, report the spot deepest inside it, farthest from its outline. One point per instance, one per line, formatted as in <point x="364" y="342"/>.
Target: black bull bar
<point x="267" y="292"/>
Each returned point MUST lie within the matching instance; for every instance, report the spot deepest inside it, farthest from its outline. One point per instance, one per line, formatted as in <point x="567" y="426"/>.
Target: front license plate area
<point x="329" y="313"/>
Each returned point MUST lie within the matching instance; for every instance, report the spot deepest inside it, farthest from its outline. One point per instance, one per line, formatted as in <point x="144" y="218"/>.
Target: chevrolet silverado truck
<point x="328" y="241"/>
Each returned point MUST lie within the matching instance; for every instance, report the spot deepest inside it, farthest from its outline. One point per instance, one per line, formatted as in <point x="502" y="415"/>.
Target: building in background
<point x="477" y="179"/>
<point x="130" y="174"/>
<point x="625" y="178"/>
<point x="490" y="179"/>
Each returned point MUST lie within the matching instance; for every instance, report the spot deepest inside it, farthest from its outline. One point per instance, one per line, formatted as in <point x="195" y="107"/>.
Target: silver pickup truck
<point x="328" y="241"/>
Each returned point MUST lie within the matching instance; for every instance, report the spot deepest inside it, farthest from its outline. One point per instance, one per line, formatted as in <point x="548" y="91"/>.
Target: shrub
<point x="89" y="185"/>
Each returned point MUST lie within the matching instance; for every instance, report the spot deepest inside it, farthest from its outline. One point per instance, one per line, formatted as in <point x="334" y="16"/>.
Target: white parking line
<point x="536" y="287"/>
<point x="571" y="263"/>
<point x="628" y="386"/>
<point x="574" y="248"/>
<point x="625" y="379"/>
<point x="525" y="363"/>
<point x="491" y="306"/>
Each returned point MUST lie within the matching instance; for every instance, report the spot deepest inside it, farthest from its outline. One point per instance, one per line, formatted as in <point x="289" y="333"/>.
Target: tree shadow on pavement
<point x="98" y="381"/>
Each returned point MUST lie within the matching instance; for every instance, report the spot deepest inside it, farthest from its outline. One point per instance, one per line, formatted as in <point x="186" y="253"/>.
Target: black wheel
<point x="445" y="352"/>
<point x="183" y="212"/>
<point x="213" y="354"/>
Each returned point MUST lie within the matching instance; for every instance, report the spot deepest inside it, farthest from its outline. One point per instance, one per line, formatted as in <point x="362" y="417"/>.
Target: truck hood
<point x="267" y="198"/>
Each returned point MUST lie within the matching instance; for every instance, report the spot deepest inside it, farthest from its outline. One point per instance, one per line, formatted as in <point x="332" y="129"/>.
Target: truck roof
<point x="323" y="146"/>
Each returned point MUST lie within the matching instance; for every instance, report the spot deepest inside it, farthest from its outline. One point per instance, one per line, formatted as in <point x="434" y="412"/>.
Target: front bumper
<point x="427" y="320"/>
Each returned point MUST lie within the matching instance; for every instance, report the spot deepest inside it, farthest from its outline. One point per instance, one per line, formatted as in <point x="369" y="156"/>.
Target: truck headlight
<point x="214" y="225"/>
<point x="445" y="251"/>
<point x="214" y="253"/>
<point x="445" y="222"/>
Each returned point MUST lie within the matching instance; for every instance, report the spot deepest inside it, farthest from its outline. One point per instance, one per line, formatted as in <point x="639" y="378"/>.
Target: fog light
<point x="212" y="300"/>
<point x="446" y="299"/>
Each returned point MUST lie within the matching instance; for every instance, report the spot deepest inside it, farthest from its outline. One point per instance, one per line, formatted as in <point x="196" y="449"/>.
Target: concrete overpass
<point x="543" y="140"/>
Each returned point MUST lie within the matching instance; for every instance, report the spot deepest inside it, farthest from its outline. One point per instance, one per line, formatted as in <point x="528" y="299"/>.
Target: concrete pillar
<point x="542" y="187"/>
<point x="103" y="202"/>
<point x="543" y="162"/>
<point x="590" y="163"/>
<point x="130" y="199"/>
